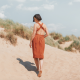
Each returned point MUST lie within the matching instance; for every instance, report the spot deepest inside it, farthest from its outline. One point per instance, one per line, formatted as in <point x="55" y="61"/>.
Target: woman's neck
<point x="39" y="22"/>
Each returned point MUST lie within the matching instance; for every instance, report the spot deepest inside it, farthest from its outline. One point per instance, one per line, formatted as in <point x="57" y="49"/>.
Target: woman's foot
<point x="40" y="73"/>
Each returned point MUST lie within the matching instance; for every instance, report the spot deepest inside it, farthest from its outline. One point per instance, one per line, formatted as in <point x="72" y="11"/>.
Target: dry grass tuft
<point x="2" y="35"/>
<point x="56" y="36"/>
<point x="10" y="36"/>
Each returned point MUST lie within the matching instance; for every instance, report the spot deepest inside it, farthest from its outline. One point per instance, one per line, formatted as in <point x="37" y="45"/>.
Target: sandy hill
<point x="17" y="63"/>
<point x="66" y="44"/>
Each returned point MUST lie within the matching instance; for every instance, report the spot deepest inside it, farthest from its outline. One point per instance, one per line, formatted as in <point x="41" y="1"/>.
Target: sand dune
<point x="66" y="44"/>
<point x="17" y="63"/>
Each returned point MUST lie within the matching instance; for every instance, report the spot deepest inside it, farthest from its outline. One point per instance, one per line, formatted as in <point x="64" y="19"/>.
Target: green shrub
<point x="76" y="45"/>
<point x="68" y="48"/>
<point x="61" y="41"/>
<point x="67" y="38"/>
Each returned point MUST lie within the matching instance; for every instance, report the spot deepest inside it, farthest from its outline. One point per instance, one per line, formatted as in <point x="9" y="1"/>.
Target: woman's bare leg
<point x="40" y="63"/>
<point x="36" y="62"/>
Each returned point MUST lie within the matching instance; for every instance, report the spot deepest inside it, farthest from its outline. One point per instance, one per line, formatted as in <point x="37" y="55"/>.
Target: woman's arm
<point x="47" y="33"/>
<point x="34" y="32"/>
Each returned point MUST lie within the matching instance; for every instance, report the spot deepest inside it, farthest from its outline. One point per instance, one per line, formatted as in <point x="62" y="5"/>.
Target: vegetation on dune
<point x="14" y="28"/>
<point x="2" y="35"/>
<point x="73" y="37"/>
<point x="49" y="41"/>
<point x="79" y="38"/>
<point x="64" y="39"/>
<point x="75" y="44"/>
<point x="9" y="36"/>
<point x="61" y="39"/>
<point x="22" y="31"/>
<point x="56" y="36"/>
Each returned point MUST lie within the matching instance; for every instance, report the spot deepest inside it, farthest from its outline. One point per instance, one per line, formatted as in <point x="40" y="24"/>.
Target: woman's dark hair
<point x="37" y="16"/>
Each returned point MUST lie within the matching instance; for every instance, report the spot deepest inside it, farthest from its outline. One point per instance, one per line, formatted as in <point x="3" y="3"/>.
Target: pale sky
<point x="61" y="16"/>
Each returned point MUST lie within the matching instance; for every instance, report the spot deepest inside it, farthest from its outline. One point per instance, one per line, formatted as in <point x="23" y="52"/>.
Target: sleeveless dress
<point x="38" y="44"/>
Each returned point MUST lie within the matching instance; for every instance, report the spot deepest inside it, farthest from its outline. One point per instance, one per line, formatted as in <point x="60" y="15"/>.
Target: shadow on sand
<point x="28" y="65"/>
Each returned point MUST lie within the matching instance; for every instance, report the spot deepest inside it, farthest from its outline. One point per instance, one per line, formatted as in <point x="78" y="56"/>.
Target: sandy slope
<point x="17" y="63"/>
<point x="66" y="44"/>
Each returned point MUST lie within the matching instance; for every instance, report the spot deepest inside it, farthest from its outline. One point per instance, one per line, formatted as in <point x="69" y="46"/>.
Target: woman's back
<point x="41" y="28"/>
<point x="38" y="43"/>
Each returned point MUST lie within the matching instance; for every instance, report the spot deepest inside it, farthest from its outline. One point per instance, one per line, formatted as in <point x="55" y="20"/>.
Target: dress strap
<point x="40" y="26"/>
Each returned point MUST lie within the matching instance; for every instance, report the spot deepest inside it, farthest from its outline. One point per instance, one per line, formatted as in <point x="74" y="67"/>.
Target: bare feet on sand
<point x="40" y="73"/>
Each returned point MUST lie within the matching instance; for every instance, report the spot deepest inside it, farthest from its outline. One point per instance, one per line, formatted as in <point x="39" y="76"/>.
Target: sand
<point x="66" y="44"/>
<point x="17" y="63"/>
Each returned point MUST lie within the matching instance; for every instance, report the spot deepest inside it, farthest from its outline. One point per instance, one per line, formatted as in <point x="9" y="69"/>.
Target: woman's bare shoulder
<point x="44" y="25"/>
<point x="36" y="25"/>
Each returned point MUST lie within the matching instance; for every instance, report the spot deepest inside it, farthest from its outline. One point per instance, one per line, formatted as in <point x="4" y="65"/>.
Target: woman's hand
<point x="30" y="44"/>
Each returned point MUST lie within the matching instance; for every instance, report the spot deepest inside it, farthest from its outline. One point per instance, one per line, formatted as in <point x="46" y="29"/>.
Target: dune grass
<point x="55" y="35"/>
<point x="75" y="44"/>
<point x="9" y="37"/>
<point x="64" y="39"/>
<point x="2" y="35"/>
<point x="78" y="38"/>
<point x="50" y="41"/>
<point x="73" y="37"/>
<point x="14" y="28"/>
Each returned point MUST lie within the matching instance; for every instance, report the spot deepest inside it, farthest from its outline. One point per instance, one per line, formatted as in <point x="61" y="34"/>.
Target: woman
<point x="38" y="42"/>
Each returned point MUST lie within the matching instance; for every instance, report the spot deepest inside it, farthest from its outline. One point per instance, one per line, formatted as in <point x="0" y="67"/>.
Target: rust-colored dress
<point x="38" y="44"/>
